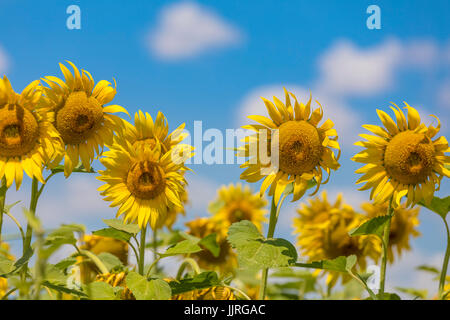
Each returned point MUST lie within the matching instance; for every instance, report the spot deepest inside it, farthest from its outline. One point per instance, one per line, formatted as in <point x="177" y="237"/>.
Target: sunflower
<point x="235" y="203"/>
<point x="322" y="233"/>
<point x="402" y="159"/>
<point x="144" y="182"/>
<point x="403" y="226"/>
<point x="213" y="293"/>
<point x="28" y="140"/>
<point x="81" y="118"/>
<point x="303" y="149"/>
<point x="226" y="261"/>
<point x="145" y="132"/>
<point x="98" y="244"/>
<point x="117" y="280"/>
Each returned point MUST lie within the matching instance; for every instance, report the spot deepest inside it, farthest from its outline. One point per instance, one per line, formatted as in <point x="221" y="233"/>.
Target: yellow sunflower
<point x="81" y="118"/>
<point x="235" y="203"/>
<point x="145" y="132"/>
<point x="322" y="233"/>
<point x="213" y="293"/>
<point x="402" y="159"/>
<point x="226" y="261"/>
<point x="28" y="140"/>
<point x="98" y="244"/>
<point x="117" y="280"/>
<point x="403" y="226"/>
<point x="143" y="182"/>
<point x="304" y="148"/>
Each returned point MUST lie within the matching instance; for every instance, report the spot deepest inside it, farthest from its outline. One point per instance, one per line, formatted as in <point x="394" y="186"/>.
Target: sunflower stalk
<point x="443" y="276"/>
<point x="385" y="245"/>
<point x="142" y="251"/>
<point x="270" y="233"/>
<point x="192" y="263"/>
<point x="3" y="190"/>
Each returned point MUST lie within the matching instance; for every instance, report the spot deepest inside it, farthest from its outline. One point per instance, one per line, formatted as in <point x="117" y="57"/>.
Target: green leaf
<point x="65" y="263"/>
<point x="144" y="289"/>
<point x="79" y="168"/>
<point x="120" y="225"/>
<point x="6" y="266"/>
<point x="203" y="280"/>
<point x="109" y="260"/>
<point x="210" y="243"/>
<point x="182" y="247"/>
<point x="428" y="269"/>
<point x="256" y="252"/>
<point x="64" y="289"/>
<point x="441" y="206"/>
<point x="340" y="264"/>
<point x="113" y="233"/>
<point x="373" y="226"/>
<point x="55" y="275"/>
<point x="415" y="293"/>
<point x="100" y="291"/>
<point x="389" y="296"/>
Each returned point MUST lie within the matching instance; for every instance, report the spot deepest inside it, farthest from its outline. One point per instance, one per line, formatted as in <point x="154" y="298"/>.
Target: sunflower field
<point x="60" y="125"/>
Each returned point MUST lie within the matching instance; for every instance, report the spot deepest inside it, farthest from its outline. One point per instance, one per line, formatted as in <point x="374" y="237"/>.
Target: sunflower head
<point x="226" y="261"/>
<point x="298" y="150"/>
<point x="143" y="182"/>
<point x="402" y="159"/>
<point x="404" y="225"/>
<point x="28" y="140"/>
<point x="213" y="293"/>
<point x="322" y="233"/>
<point x="235" y="203"/>
<point x="81" y="117"/>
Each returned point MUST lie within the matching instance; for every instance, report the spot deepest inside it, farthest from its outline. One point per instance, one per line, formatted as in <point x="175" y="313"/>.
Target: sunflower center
<point x="146" y="180"/>
<point x="78" y="118"/>
<point x="409" y="157"/>
<point x="238" y="212"/>
<point x="19" y="131"/>
<point x="300" y="148"/>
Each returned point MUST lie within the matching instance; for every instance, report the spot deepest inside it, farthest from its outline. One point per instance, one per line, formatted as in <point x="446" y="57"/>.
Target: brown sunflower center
<point x="146" y="180"/>
<point x="238" y="212"/>
<point x="78" y="118"/>
<point x="19" y="131"/>
<point x="300" y="148"/>
<point x="409" y="157"/>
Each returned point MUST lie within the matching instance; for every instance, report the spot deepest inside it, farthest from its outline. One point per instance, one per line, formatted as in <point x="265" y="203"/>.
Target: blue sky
<point x="211" y="60"/>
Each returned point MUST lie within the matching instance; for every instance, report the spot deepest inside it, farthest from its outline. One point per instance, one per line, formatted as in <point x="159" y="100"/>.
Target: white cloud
<point x="342" y="115"/>
<point x="444" y="94"/>
<point x="346" y="69"/>
<point x="186" y="29"/>
<point x="4" y="61"/>
<point x="201" y="191"/>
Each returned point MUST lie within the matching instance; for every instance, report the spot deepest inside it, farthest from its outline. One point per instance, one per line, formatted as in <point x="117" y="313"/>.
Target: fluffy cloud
<point x="201" y="191"/>
<point x="342" y="115"/>
<point x="4" y="61"/>
<point x="346" y="69"/>
<point x="187" y="29"/>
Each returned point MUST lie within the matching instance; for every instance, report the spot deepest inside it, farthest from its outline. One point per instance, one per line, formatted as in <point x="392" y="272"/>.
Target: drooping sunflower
<point x="144" y="182"/>
<point x="98" y="244"/>
<point x="235" y="203"/>
<point x="145" y="132"/>
<point x="403" y="226"/>
<point x="213" y="293"/>
<point x="81" y="117"/>
<point x="226" y="261"/>
<point x="28" y="140"/>
<point x="117" y="280"/>
<point x="303" y="149"/>
<point x="322" y="233"/>
<point x="402" y="159"/>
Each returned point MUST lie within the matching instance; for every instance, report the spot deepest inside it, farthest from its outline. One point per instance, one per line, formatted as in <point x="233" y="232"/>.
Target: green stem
<point x="96" y="260"/>
<point x="155" y="246"/>
<point x="33" y="205"/>
<point x="270" y="232"/>
<point x="385" y="245"/>
<point x="445" y="265"/>
<point x="3" y="190"/>
<point x="188" y="261"/>
<point x="142" y="251"/>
